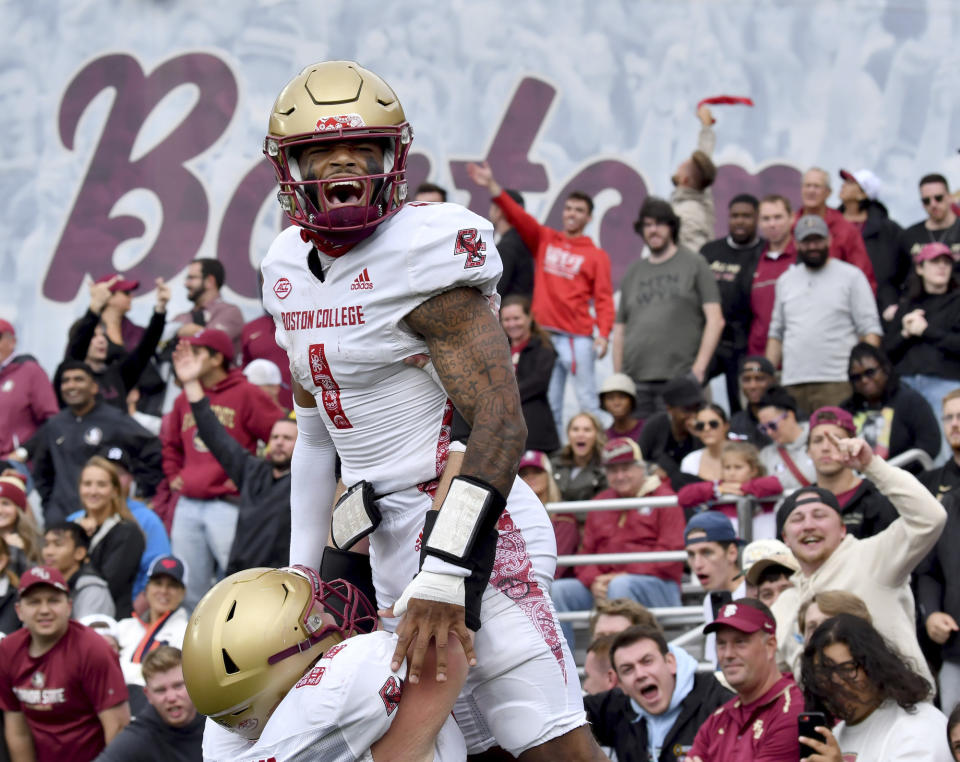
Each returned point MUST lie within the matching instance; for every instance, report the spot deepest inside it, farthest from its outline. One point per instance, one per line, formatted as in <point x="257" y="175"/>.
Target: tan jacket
<point x="695" y="207"/>
<point x="877" y="569"/>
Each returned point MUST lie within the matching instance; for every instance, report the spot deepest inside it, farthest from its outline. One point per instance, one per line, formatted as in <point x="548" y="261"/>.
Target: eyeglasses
<point x="702" y="425"/>
<point x="927" y="200"/>
<point x="771" y="426"/>
<point x="856" y="378"/>
<point x="847" y="670"/>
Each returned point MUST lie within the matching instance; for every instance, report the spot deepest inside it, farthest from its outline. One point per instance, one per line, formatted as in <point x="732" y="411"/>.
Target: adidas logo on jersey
<point x="362" y="282"/>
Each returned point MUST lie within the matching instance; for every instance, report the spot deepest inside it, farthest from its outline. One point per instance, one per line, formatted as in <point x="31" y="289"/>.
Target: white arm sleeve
<point x="312" y="484"/>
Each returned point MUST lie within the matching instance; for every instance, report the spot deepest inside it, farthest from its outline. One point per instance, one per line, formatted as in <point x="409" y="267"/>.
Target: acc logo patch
<point x="282" y="288"/>
<point x="390" y="693"/>
<point x="470" y="243"/>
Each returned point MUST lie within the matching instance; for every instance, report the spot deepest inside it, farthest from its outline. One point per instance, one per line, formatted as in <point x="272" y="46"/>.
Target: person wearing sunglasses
<point x="923" y="339"/>
<point x="786" y="457"/>
<point x="941" y="224"/>
<point x="711" y="427"/>
<point x="851" y="673"/>
<point x="891" y="416"/>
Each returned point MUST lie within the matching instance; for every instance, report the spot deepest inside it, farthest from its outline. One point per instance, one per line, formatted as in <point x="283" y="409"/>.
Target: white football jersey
<point x="346" y="339"/>
<point x="337" y="710"/>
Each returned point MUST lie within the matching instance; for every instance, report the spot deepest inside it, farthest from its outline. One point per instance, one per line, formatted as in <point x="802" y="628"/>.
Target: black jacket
<point x="891" y="263"/>
<point x="941" y="480"/>
<point x="517" y="277"/>
<point x="590" y="480"/>
<point x="659" y="446"/>
<point x="123" y="370"/>
<point x="937" y="351"/>
<point x="9" y="621"/>
<point x="533" y="379"/>
<point x="913" y="423"/>
<point x="868" y="512"/>
<point x="263" y="521"/>
<point x="149" y="739"/>
<point x="117" y="557"/>
<point x="65" y="443"/>
<point x="938" y="577"/>
<point x="611" y="719"/>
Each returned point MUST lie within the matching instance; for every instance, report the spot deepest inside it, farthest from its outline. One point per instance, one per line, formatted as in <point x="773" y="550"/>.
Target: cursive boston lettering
<point x="305" y="320"/>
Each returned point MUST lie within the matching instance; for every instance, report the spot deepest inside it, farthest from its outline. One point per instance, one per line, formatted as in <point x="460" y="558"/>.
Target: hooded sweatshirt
<point x="658" y="725"/>
<point x="244" y="410"/>
<point x="90" y="593"/>
<point x="149" y="739"/>
<point x="569" y="273"/>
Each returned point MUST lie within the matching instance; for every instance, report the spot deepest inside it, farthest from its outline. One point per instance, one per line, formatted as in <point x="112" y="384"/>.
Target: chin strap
<point x="329" y="248"/>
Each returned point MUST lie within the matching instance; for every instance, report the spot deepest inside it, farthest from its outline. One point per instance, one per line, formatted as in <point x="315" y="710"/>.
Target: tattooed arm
<point x="472" y="358"/>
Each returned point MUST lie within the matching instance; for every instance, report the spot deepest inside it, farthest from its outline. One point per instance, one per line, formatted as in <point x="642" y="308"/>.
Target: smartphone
<point x="806" y="724"/>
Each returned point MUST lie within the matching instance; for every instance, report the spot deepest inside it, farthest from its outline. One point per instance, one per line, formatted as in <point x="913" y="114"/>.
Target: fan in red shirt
<point x="760" y="724"/>
<point x="61" y="688"/>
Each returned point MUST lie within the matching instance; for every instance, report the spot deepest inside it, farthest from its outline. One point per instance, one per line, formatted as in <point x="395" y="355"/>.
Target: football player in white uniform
<point x="273" y="658"/>
<point x="357" y="286"/>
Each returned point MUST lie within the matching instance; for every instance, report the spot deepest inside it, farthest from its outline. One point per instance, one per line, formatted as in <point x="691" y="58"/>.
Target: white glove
<point x="432" y="586"/>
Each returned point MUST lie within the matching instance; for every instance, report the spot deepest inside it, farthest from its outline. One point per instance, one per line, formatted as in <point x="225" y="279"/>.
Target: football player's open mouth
<point x="343" y="192"/>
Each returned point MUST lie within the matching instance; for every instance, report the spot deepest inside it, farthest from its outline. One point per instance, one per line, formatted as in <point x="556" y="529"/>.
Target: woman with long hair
<point x="852" y="674"/>
<point x="923" y="339"/>
<point x="711" y="426"/>
<point x="536" y="471"/>
<point x="891" y="416"/>
<point x="116" y="540"/>
<point x="577" y="466"/>
<point x="16" y="524"/>
<point x="533" y="359"/>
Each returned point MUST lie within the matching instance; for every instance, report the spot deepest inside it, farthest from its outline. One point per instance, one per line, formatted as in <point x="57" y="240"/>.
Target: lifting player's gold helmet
<point x="330" y="103"/>
<point x="255" y="634"/>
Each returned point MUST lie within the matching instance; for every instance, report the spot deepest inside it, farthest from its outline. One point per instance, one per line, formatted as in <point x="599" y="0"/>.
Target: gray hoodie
<point x="90" y="593"/>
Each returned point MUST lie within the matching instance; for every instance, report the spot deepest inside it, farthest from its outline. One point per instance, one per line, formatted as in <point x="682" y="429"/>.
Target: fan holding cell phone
<point x="852" y="674"/>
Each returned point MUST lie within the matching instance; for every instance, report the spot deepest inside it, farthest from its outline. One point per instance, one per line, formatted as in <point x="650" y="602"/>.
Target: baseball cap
<point x="785" y="561"/>
<point x="811" y="225"/>
<point x="715" y="526"/>
<point x="802" y="496"/>
<point x="621" y="450"/>
<point x="535" y="459"/>
<point x="777" y="396"/>
<point x="833" y="415"/>
<point x="14" y="489"/>
<point x="932" y="251"/>
<point x="171" y="566"/>
<point x="103" y="624"/>
<point x="682" y="391"/>
<point x="760" y="549"/>
<point x="7" y="327"/>
<point x="215" y="339"/>
<point x="118" y="457"/>
<point x="742" y="617"/>
<point x="124" y="284"/>
<point x="261" y="371"/>
<point x="869" y="183"/>
<point x="757" y="364"/>
<point x="42" y="575"/>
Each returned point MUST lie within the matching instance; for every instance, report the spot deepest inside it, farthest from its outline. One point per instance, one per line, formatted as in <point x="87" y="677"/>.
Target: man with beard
<point x="942" y="224"/>
<point x="203" y="282"/>
<point x="263" y="522"/>
<point x="823" y="307"/>
<point x="669" y="320"/>
<point x="941" y="480"/>
<point x="733" y="259"/>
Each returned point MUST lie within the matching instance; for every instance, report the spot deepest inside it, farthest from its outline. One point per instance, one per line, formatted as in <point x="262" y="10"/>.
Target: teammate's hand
<point x="425" y="621"/>
<point x="163" y="295"/>
<point x="855" y="453"/>
<point x="100" y="294"/>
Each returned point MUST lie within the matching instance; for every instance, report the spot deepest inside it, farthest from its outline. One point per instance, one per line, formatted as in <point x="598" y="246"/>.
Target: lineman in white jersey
<point x="265" y="634"/>
<point x="362" y="283"/>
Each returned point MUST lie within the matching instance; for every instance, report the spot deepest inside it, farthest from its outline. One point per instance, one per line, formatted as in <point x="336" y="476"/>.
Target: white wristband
<point x="431" y="586"/>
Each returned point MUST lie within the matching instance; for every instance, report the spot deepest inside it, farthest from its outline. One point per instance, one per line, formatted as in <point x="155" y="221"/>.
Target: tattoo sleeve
<point x="470" y="352"/>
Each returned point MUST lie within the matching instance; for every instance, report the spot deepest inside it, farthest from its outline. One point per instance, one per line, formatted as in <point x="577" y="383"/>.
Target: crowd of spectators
<point x="157" y="460"/>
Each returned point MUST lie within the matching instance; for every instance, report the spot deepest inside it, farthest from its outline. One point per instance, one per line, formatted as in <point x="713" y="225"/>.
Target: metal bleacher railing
<point x="678" y="615"/>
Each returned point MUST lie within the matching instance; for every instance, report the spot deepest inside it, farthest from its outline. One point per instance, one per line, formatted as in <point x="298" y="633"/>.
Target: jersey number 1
<point x="323" y="378"/>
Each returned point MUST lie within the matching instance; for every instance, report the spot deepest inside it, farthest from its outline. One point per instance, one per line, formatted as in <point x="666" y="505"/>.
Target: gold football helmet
<point x="337" y="102"/>
<point x="255" y="634"/>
